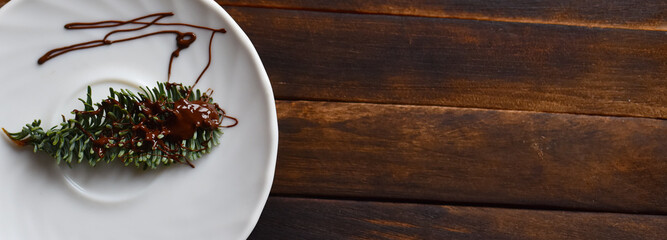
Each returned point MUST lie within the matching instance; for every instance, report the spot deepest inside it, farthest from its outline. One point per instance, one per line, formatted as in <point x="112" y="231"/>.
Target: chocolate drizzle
<point x="163" y="125"/>
<point x="183" y="39"/>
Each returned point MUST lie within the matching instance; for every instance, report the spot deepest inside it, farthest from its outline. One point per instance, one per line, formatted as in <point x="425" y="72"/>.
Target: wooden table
<point x="465" y="119"/>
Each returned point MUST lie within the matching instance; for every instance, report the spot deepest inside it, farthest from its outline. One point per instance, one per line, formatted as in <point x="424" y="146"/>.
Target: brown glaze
<point x="183" y="39"/>
<point x="188" y="116"/>
<point x="164" y="124"/>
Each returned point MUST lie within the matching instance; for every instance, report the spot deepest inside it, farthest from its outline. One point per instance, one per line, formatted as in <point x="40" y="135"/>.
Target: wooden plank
<point x="637" y="14"/>
<point x="3" y="2"/>
<point x="290" y="218"/>
<point x="462" y="63"/>
<point x="443" y="154"/>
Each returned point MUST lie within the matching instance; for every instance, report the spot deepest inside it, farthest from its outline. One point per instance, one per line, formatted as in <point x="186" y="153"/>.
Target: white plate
<point x="221" y="198"/>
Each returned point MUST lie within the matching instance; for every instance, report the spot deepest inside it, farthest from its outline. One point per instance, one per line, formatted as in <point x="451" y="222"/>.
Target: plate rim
<point x="266" y="85"/>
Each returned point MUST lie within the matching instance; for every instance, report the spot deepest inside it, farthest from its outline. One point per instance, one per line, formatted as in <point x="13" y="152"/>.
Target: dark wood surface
<point x="465" y="119"/>
<point x="472" y="156"/>
<point x="630" y="14"/>
<point x="307" y="218"/>
<point x="452" y="62"/>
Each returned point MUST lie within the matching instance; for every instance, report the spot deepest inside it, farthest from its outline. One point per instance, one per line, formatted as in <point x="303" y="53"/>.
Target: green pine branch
<point x="73" y="141"/>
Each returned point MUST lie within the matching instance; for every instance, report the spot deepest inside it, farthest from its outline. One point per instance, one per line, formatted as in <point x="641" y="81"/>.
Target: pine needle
<point x="74" y="140"/>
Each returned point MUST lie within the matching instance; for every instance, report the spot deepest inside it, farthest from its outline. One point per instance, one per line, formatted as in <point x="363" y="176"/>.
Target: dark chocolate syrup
<point x="183" y="39"/>
<point x="181" y="119"/>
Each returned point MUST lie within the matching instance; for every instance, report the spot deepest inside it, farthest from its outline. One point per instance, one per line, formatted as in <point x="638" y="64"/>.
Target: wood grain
<point x="461" y="63"/>
<point x="290" y="218"/>
<point x="425" y="153"/>
<point x="637" y="14"/>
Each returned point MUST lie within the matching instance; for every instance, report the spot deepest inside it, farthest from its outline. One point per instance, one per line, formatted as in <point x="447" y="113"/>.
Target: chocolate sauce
<point x="164" y="124"/>
<point x="183" y="39"/>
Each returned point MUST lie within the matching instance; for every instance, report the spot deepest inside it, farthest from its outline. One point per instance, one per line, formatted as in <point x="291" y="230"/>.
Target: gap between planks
<point x="406" y="201"/>
<point x="464" y="108"/>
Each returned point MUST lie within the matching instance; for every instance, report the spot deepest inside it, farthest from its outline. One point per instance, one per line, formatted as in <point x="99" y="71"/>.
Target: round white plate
<point x="221" y="198"/>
